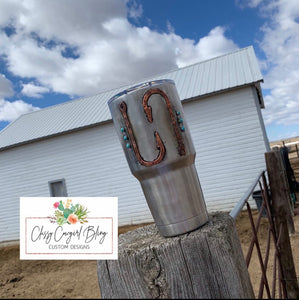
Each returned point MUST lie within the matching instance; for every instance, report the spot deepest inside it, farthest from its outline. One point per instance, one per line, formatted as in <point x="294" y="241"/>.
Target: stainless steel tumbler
<point x="151" y="126"/>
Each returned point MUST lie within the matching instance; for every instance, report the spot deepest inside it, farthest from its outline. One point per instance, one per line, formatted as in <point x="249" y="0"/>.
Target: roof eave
<point x="256" y="84"/>
<point x="54" y="135"/>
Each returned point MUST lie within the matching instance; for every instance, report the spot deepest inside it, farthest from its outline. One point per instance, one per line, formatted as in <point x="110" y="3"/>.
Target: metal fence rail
<point x="269" y="286"/>
<point x="237" y="209"/>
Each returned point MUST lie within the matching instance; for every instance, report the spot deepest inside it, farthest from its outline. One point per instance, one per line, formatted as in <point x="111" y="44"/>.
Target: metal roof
<point x="228" y="71"/>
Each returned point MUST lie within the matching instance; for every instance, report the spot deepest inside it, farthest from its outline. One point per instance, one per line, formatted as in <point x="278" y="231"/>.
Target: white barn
<point x="72" y="148"/>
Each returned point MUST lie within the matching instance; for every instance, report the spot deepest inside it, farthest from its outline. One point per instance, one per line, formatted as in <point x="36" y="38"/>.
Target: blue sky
<point x="59" y="50"/>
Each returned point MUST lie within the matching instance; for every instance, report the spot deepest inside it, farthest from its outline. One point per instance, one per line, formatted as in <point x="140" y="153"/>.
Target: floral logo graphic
<point x="68" y="213"/>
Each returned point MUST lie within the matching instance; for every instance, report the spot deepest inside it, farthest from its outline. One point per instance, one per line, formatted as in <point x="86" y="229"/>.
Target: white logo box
<point x="67" y="228"/>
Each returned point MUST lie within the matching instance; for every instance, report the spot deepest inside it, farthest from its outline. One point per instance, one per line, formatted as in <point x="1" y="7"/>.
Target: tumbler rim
<point x="140" y="86"/>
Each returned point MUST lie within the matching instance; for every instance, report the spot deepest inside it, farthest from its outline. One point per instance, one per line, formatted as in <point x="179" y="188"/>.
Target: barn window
<point x="58" y="188"/>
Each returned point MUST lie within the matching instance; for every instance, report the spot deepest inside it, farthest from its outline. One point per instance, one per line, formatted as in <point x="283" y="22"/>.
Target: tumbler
<point x="155" y="138"/>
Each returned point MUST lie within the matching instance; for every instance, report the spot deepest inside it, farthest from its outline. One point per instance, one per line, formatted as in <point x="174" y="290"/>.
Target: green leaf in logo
<point x="67" y="212"/>
<point x="60" y="221"/>
<point x="60" y="206"/>
<point x="73" y="208"/>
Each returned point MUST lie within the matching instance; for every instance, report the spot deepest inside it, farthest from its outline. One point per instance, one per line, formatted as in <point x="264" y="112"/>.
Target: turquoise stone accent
<point x="182" y="128"/>
<point x="125" y="137"/>
<point x="181" y="120"/>
<point x="128" y="145"/>
<point x="122" y="129"/>
<point x="178" y="113"/>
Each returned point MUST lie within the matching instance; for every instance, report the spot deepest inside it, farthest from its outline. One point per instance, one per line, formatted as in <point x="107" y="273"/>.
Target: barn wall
<point x="230" y="140"/>
<point x="226" y="131"/>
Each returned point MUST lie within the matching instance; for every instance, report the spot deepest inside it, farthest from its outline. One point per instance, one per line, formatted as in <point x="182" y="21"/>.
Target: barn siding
<point x="227" y="133"/>
<point x="230" y="141"/>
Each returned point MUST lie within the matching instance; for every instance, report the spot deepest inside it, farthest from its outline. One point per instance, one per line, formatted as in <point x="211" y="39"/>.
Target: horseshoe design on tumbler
<point x="148" y="112"/>
<point x="159" y="143"/>
<point x="160" y="146"/>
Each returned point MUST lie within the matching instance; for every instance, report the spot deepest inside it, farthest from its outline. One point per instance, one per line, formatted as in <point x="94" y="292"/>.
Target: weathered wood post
<point x="279" y="185"/>
<point x="283" y="220"/>
<point x="205" y="263"/>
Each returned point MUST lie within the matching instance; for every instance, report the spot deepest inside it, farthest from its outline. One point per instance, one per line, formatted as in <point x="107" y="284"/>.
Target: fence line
<point x="265" y="283"/>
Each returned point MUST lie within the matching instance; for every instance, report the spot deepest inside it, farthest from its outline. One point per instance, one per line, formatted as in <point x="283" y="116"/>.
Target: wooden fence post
<point x="280" y="184"/>
<point x="283" y="219"/>
<point x="205" y="263"/>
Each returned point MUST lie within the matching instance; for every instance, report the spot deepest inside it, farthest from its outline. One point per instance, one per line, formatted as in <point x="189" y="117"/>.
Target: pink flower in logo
<point x="72" y="218"/>
<point x="56" y="204"/>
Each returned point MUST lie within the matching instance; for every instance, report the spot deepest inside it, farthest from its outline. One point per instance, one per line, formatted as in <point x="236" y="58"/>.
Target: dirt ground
<point x="72" y="279"/>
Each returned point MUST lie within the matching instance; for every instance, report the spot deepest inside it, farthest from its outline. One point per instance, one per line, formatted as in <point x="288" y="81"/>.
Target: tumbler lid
<point x="140" y="86"/>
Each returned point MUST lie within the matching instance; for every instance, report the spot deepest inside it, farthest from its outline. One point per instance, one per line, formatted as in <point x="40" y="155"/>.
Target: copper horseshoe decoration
<point x="159" y="143"/>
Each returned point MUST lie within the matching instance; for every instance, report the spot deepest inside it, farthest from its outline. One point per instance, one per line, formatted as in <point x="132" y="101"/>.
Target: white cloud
<point x="71" y="21"/>
<point x="107" y="51"/>
<point x="281" y="66"/>
<point x="6" y="89"/>
<point x="34" y="91"/>
<point x="250" y="3"/>
<point x="27" y="59"/>
<point x="9" y="9"/>
<point x="11" y="110"/>
<point x="212" y="45"/>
